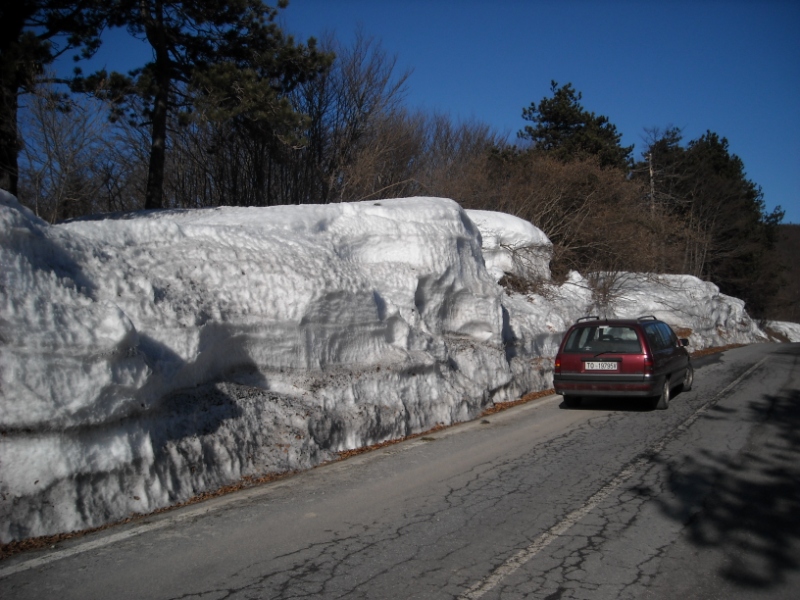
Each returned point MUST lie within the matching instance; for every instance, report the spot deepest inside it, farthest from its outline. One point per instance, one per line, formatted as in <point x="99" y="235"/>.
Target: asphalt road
<point x="610" y="500"/>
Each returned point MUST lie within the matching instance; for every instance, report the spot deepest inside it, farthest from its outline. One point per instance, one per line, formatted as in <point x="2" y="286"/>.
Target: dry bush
<point x="383" y="163"/>
<point x="596" y="217"/>
<point x="73" y="162"/>
<point x="455" y="157"/>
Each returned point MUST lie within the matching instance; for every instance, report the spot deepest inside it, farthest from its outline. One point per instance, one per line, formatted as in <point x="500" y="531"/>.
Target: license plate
<point x="600" y="366"/>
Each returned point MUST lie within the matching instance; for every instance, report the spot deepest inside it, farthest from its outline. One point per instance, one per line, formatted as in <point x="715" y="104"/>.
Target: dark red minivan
<point x="622" y="357"/>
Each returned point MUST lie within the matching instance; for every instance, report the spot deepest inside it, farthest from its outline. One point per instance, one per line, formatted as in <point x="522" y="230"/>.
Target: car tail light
<point x="557" y="365"/>
<point x="649" y="366"/>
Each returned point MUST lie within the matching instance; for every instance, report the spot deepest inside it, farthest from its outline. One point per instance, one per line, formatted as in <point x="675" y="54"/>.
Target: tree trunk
<point x="9" y="144"/>
<point x="155" y="174"/>
<point x="11" y="27"/>
<point x="154" y="28"/>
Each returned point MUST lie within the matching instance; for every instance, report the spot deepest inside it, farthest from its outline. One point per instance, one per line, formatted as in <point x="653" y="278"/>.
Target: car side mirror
<point x="684" y="341"/>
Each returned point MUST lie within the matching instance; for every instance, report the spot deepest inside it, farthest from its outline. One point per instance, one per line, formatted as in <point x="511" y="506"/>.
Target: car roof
<point x="592" y="320"/>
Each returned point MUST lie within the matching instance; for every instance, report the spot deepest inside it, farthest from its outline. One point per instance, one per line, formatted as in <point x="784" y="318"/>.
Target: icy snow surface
<point x="149" y="357"/>
<point x="512" y="245"/>
<point x="786" y="332"/>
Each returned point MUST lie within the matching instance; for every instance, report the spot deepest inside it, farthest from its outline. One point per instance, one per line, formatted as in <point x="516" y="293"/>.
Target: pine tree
<point x="33" y="33"/>
<point x="228" y="56"/>
<point x="564" y="129"/>
<point x="728" y="235"/>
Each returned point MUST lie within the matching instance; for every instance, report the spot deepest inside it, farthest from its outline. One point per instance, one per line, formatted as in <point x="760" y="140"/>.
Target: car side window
<point x="669" y="335"/>
<point x="655" y="336"/>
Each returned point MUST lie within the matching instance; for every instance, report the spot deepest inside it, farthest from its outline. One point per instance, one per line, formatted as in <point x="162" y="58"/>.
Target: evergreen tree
<point x="227" y="56"/>
<point x="33" y="33"/>
<point x="564" y="129"/>
<point x="728" y="235"/>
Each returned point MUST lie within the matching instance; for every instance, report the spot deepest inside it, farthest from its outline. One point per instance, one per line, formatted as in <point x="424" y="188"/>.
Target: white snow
<point x="149" y="357"/>
<point x="783" y="331"/>
<point x="512" y="245"/>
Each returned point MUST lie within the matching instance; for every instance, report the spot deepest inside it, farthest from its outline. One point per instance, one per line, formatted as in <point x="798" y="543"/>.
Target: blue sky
<point x="729" y="66"/>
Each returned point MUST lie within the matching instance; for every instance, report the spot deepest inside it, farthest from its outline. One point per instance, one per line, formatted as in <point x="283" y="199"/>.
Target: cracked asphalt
<point x="610" y="500"/>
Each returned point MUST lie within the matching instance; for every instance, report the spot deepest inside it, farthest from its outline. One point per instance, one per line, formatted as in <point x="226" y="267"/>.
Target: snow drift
<point x="149" y="357"/>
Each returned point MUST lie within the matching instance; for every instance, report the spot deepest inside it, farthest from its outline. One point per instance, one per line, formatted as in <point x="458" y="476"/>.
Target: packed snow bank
<point x="783" y="331"/>
<point x="150" y="357"/>
<point x="697" y="308"/>
<point x="536" y="322"/>
<point x="512" y="246"/>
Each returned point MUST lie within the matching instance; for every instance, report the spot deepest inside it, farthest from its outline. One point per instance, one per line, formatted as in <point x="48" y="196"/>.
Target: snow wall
<point x="149" y="357"/>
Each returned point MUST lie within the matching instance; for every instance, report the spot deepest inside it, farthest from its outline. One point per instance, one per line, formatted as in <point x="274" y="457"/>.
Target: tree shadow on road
<point x="747" y="506"/>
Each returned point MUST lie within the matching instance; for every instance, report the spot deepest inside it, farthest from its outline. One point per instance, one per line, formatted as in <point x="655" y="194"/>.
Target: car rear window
<point x="603" y="338"/>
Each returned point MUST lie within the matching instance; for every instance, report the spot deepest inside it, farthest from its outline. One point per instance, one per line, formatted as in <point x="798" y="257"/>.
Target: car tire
<point x="662" y="401"/>
<point x="572" y="401"/>
<point x="688" y="379"/>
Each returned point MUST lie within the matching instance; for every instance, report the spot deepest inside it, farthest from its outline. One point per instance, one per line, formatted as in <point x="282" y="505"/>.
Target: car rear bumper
<point x="576" y="387"/>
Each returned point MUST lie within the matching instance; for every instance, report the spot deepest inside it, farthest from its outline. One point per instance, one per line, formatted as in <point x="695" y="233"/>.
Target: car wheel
<point x="688" y="379"/>
<point x="662" y="402"/>
<point x="572" y="401"/>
